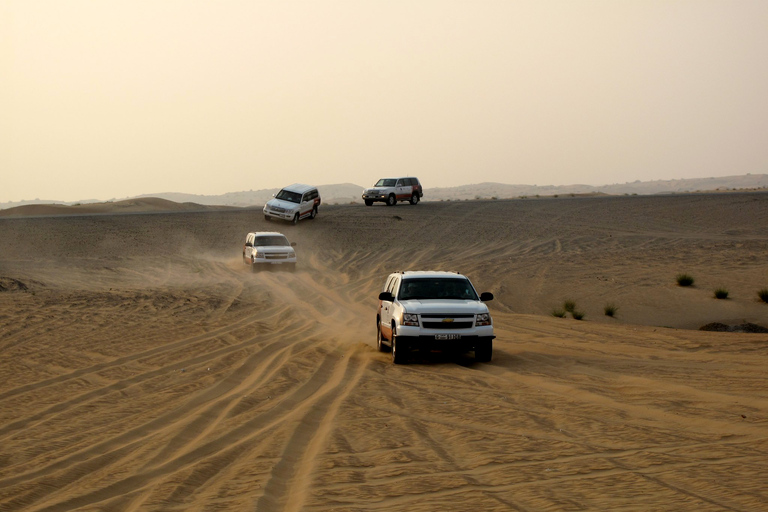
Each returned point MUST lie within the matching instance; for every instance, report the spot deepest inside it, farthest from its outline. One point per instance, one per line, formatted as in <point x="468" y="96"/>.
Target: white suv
<point x="293" y="203"/>
<point x="264" y="249"/>
<point x="392" y="190"/>
<point x="433" y="311"/>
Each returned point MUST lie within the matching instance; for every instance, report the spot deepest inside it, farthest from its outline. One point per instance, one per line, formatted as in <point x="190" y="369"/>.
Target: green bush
<point x="610" y="310"/>
<point x="721" y="293"/>
<point x="684" y="280"/>
<point x="577" y="315"/>
<point x="559" y="313"/>
<point x="569" y="305"/>
<point x="763" y="294"/>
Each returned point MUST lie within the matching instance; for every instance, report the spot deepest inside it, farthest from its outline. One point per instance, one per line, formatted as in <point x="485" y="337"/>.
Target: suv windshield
<point x="270" y="241"/>
<point x="287" y="195"/>
<point x="436" y="288"/>
<point x="385" y="183"/>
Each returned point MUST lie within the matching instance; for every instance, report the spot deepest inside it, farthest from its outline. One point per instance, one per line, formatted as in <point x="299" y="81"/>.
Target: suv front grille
<point x="447" y="325"/>
<point x="447" y="315"/>
<point x="276" y="256"/>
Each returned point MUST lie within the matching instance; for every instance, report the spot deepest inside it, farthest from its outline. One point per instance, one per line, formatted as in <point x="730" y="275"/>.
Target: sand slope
<point x="144" y="368"/>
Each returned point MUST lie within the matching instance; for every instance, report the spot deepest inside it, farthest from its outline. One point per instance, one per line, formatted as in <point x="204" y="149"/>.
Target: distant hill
<point x="501" y="190"/>
<point x="340" y="193"/>
<point x="348" y="192"/>
<point x="139" y="205"/>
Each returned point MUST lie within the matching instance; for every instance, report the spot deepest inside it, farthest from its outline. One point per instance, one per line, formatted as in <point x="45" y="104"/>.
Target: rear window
<point x="270" y="241"/>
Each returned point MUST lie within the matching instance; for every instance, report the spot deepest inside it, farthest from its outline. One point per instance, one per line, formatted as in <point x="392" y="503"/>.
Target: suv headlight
<point x="410" y="319"/>
<point x="483" y="319"/>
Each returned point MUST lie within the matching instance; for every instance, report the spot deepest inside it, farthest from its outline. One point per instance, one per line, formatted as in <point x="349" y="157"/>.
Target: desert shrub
<point x="721" y="293"/>
<point x="559" y="313"/>
<point x="763" y="294"/>
<point x="610" y="309"/>
<point x="577" y="315"/>
<point x="684" y="280"/>
<point x="569" y="305"/>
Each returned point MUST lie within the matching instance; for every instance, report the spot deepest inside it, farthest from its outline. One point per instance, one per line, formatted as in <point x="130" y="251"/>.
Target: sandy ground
<point x="145" y="368"/>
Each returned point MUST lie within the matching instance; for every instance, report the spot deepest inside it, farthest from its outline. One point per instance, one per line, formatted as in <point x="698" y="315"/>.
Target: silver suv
<point x="268" y="249"/>
<point x="433" y="311"/>
<point x="392" y="190"/>
<point x="293" y="203"/>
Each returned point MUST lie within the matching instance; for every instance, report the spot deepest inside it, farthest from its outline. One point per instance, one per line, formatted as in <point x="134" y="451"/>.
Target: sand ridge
<point x="145" y="368"/>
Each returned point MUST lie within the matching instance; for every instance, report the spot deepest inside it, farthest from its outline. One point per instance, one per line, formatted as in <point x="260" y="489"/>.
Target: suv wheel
<point x="379" y="340"/>
<point x="314" y="213"/>
<point x="415" y="199"/>
<point x="398" y="353"/>
<point x="267" y="217"/>
<point x="391" y="200"/>
<point x="296" y="219"/>
<point x="368" y="202"/>
<point x="483" y="351"/>
<point x="254" y="266"/>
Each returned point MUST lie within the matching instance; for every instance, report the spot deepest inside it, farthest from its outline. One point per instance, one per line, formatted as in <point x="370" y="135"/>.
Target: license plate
<point x="447" y="336"/>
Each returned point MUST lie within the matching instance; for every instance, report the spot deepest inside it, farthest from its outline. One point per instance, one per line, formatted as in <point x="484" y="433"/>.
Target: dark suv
<point x="392" y="190"/>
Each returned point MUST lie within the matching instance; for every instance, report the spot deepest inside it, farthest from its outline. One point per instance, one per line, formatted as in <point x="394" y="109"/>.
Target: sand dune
<point x="145" y="368"/>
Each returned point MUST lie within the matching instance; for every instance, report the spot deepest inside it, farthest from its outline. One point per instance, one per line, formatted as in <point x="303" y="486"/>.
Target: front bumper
<point x="462" y="340"/>
<point x="287" y="215"/>
<point x="375" y="197"/>
<point x="429" y="343"/>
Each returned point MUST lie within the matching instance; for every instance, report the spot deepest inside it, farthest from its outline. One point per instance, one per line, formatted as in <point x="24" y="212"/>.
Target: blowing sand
<point x="145" y="368"/>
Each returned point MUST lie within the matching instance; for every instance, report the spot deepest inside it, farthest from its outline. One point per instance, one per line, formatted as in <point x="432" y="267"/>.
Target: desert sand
<point x="144" y="367"/>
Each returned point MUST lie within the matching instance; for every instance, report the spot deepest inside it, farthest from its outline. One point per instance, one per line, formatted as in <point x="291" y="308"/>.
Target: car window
<point x="287" y="195"/>
<point x="400" y="183"/>
<point x="271" y="241"/>
<point x="391" y="288"/>
<point x="385" y="183"/>
<point x="426" y="288"/>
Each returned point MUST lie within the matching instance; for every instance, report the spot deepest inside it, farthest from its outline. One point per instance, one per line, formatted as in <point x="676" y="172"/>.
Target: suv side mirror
<point x="386" y="296"/>
<point x="486" y="296"/>
<point x="293" y="244"/>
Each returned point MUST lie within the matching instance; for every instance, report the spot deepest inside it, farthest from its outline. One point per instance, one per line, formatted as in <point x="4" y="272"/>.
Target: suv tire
<point x="380" y="340"/>
<point x="415" y="199"/>
<point x="314" y="213"/>
<point x="484" y="351"/>
<point x="391" y="200"/>
<point x="398" y="354"/>
<point x="296" y="219"/>
<point x="267" y="217"/>
<point x="368" y="202"/>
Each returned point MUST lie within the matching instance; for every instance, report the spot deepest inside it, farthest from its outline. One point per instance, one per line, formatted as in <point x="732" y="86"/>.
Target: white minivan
<point x="293" y="203"/>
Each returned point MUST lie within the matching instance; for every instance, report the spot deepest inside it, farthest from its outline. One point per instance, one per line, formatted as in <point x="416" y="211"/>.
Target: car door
<point x="403" y="189"/>
<point x="306" y="204"/>
<point x="387" y="308"/>
<point x="249" y="246"/>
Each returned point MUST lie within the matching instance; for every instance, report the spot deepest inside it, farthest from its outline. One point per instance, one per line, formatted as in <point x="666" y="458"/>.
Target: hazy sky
<point x="109" y="99"/>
